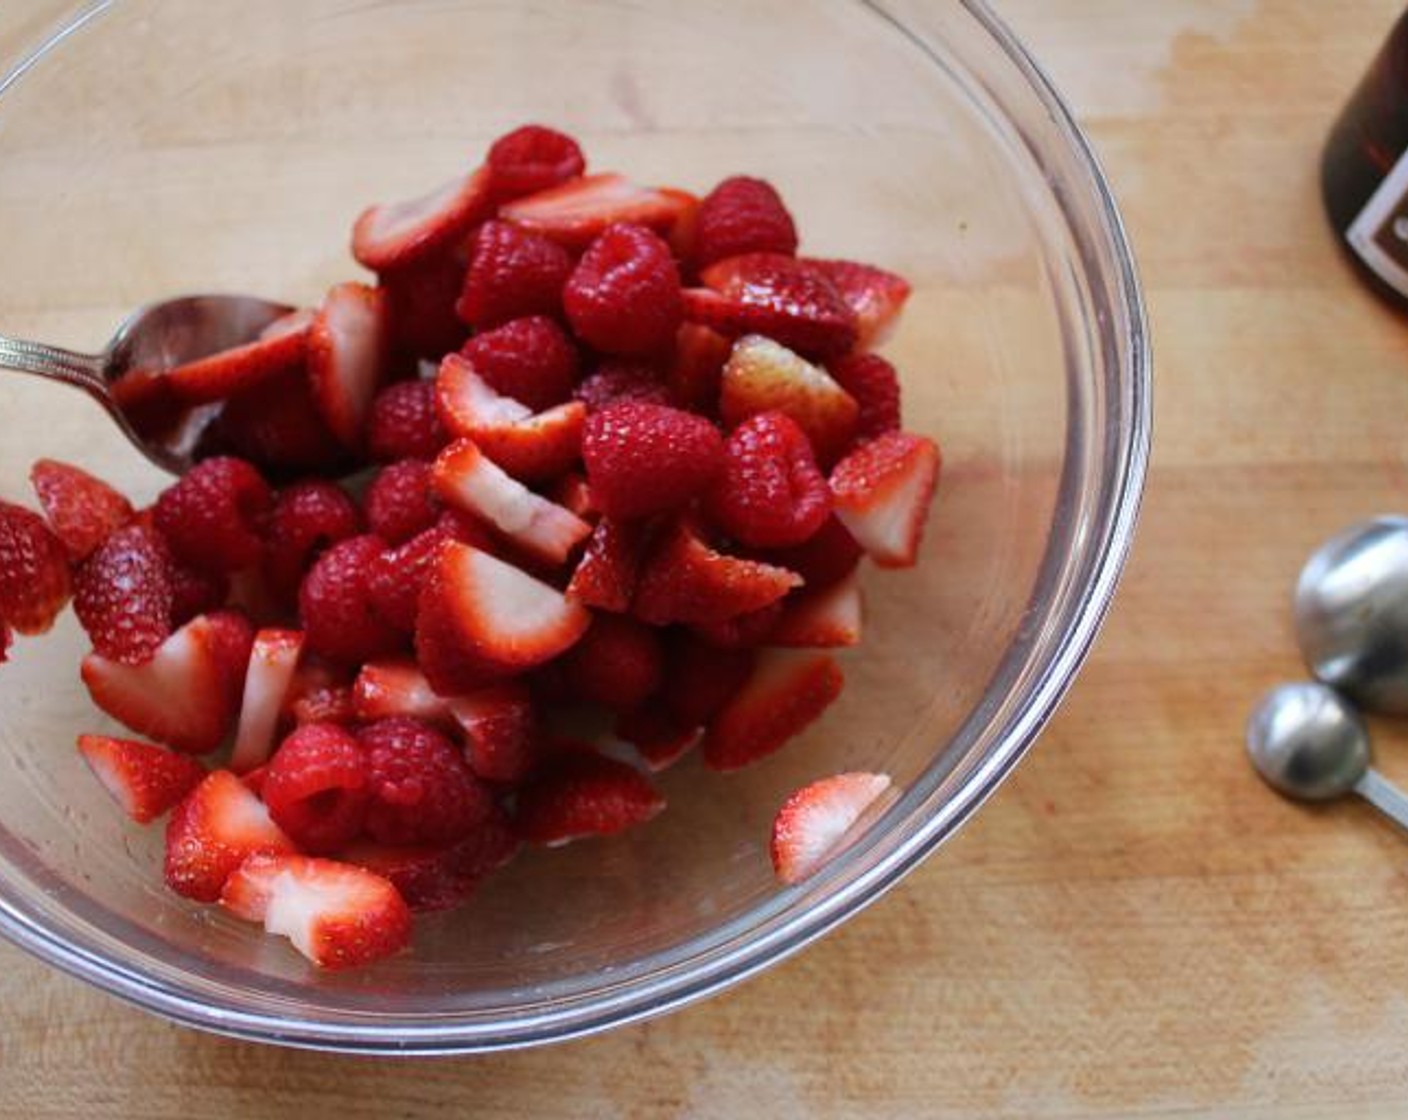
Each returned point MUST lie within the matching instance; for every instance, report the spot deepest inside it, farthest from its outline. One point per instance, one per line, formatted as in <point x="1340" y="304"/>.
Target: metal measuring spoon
<point x="155" y="338"/>
<point x="1308" y="743"/>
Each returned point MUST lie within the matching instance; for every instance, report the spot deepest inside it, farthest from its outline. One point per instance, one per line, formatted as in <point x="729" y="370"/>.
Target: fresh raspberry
<point x="276" y="425"/>
<point x="399" y="503"/>
<point x="872" y="381"/>
<point x="422" y="790"/>
<point x="123" y="597"/>
<point x="395" y="579"/>
<point x="742" y="215"/>
<point x="316" y="787"/>
<point x="308" y="517"/>
<point x="82" y="510"/>
<point x="214" y="517"/>
<point x="420" y="306"/>
<point x="335" y="604"/>
<point x="624" y="295"/>
<point x="326" y="703"/>
<point x="700" y="679"/>
<point x="744" y="631"/>
<point x="34" y="576"/>
<point x="618" y="379"/>
<point x="530" y="360"/>
<point x="532" y="158"/>
<point x="404" y="423"/>
<point x="194" y="592"/>
<point x="825" y="558"/>
<point x="770" y="493"/>
<point x="616" y="663"/>
<point x="648" y="458"/>
<point x="512" y="273"/>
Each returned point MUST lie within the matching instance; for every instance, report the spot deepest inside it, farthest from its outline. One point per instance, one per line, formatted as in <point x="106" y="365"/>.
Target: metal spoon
<point x="1308" y="743"/>
<point x="156" y="338"/>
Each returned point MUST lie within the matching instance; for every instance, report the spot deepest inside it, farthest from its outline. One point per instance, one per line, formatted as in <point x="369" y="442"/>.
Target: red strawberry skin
<point x="82" y="510"/>
<point x="144" y="780"/>
<point x="643" y="459"/>
<point x="276" y="426"/>
<point x="239" y="368"/>
<point x="700" y="679"/>
<point x="684" y="580"/>
<point x="576" y="212"/>
<point x="500" y="731"/>
<point x="624" y="295"/>
<point x="606" y="576"/>
<point x="617" y="663"/>
<point x="34" y="573"/>
<point x="882" y="493"/>
<point x="825" y="558"/>
<point x="585" y="794"/>
<point x="399" y="235"/>
<point x="788" y="691"/>
<point x="876" y="296"/>
<point x="216" y="828"/>
<point x="776" y="296"/>
<point x="123" y="595"/>
<point x="742" y="215"/>
<point x="348" y="348"/>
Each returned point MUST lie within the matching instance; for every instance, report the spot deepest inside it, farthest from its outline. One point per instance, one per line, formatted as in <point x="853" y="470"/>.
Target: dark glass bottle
<point x="1364" y="172"/>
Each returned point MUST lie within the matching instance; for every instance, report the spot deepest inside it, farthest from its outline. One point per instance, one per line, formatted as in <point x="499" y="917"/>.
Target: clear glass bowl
<point x="152" y="147"/>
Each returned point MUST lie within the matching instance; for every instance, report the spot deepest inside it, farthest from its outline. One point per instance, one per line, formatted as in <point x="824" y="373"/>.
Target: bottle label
<point x="1379" y="233"/>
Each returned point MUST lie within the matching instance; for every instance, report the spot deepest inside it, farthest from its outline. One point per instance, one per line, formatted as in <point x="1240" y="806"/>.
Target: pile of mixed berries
<point x="583" y="445"/>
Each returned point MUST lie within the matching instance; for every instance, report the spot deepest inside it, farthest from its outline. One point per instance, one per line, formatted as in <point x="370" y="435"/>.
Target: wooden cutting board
<point x="1133" y="926"/>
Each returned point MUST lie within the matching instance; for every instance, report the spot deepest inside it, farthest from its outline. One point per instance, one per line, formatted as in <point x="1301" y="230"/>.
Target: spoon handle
<point x="83" y="370"/>
<point x="1384" y="796"/>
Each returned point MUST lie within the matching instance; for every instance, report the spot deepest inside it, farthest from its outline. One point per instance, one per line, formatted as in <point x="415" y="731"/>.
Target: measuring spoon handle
<point x="1384" y="796"/>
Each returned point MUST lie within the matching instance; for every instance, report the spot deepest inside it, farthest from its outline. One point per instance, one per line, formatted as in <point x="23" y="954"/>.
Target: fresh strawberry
<point x="875" y="386"/>
<point x="882" y="493"/>
<point x="821" y="619"/>
<point x="34" y="574"/>
<point x="219" y="825"/>
<point x="347" y="350"/>
<point x="464" y="477"/>
<point x="531" y="360"/>
<point x="573" y="494"/>
<point x="149" y="404"/>
<point x="500" y="731"/>
<point x="532" y="158"/>
<point x="621" y="379"/>
<point x="770" y="493"/>
<point x="584" y="794"/>
<point x="337" y="915"/>
<point x="700" y="680"/>
<point x="439" y="877"/>
<point x="788" y="690"/>
<point x="684" y="580"/>
<point x="624" y="295"/>
<point x="575" y="213"/>
<point x="812" y="825"/>
<point x="214" y="516"/>
<point x="512" y="273"/>
<point x="643" y="459"/>
<point x="187" y="694"/>
<point x="482" y="620"/>
<point x="404" y="424"/>
<point x="82" y="510"/>
<point x="658" y="737"/>
<point x="307" y="518"/>
<point x="398" y="501"/>
<point x="397" y="687"/>
<point x="240" y="368"/>
<point x="317" y="787"/>
<point x="616" y="664"/>
<point x="876" y="297"/>
<point x="276" y="426"/>
<point x="743" y="631"/>
<point x="776" y="296"/>
<point x="123" y="595"/>
<point x="697" y="368"/>
<point x="394" y="235"/>
<point x="422" y="790"/>
<point x="528" y="447"/>
<point x="336" y="607"/>
<point x="606" y="576"/>
<point x="420" y="306"/>
<point x="273" y="660"/>
<point x="144" y="780"/>
<point x="763" y="376"/>
<point x="683" y="232"/>
<point x="742" y="215"/>
<point x="826" y="557"/>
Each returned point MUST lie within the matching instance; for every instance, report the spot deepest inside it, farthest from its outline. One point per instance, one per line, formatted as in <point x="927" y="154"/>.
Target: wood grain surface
<point x="1133" y="926"/>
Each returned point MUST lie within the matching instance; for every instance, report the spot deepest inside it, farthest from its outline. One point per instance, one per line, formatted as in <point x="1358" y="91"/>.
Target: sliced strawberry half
<point x="585" y="794"/>
<point x="528" y="446"/>
<point x="347" y="349"/>
<point x="143" y="779"/>
<point x="684" y="580"/>
<point x="482" y="620"/>
<point x="877" y="297"/>
<point x="789" y="690"/>
<point x="393" y="235"/>
<point x="500" y="731"/>
<point x="575" y="213"/>
<point x="761" y="376"/>
<point x="397" y="688"/>
<point x="186" y="696"/>
<point x="659" y="737"/>
<point x="273" y="661"/>
<point x="335" y="914"/>
<point x="826" y="618"/>
<point x="606" y="575"/>
<point x="216" y="828"/>
<point x="468" y="479"/>
<point x="227" y="372"/>
<point x="816" y="822"/>
<point x="574" y="495"/>
<point x="882" y="493"/>
<point x="777" y="296"/>
<point x="82" y="510"/>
